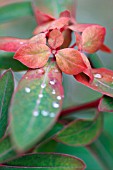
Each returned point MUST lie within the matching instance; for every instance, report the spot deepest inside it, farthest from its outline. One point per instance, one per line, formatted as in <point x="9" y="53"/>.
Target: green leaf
<point x="95" y="60"/>
<point x="15" y="11"/>
<point x="80" y="132"/>
<point x="6" y="90"/>
<point x="106" y="104"/>
<point x="6" y="150"/>
<point x="7" y="61"/>
<point x="36" y="105"/>
<point x="45" y="161"/>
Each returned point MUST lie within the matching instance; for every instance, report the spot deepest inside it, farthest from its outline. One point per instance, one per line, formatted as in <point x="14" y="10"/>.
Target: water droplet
<point x="21" y="42"/>
<point x="41" y="71"/>
<point x="99" y="76"/>
<point x="52" y="82"/>
<point x="53" y="92"/>
<point x="27" y="89"/>
<point x="56" y="71"/>
<point x="40" y="95"/>
<point x="59" y="97"/>
<point x="43" y="85"/>
<point x="26" y="77"/>
<point x="38" y="101"/>
<point x="55" y="105"/>
<point x="54" y="51"/>
<point x="35" y="113"/>
<point x="96" y="85"/>
<point x="44" y="113"/>
<point x="52" y="114"/>
<point x="112" y="77"/>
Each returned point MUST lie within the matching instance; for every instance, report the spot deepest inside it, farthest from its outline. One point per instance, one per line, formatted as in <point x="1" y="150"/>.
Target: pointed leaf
<point x="106" y="104"/>
<point x="46" y="161"/>
<point x="11" y="44"/>
<point x="80" y="132"/>
<point x="59" y="23"/>
<point x="39" y="98"/>
<point x="42" y="28"/>
<point x="6" y="90"/>
<point x="105" y="48"/>
<point x="6" y="150"/>
<point x="7" y="61"/>
<point x="41" y="17"/>
<point x="103" y="81"/>
<point x="56" y="39"/>
<point x="65" y="13"/>
<point x="79" y="27"/>
<point x="40" y="38"/>
<point x="33" y="55"/>
<point x="70" y="61"/>
<point x="93" y="38"/>
<point x="14" y="11"/>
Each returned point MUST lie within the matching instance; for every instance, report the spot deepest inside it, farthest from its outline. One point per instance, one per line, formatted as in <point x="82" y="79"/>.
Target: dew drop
<point x="43" y="85"/>
<point x="56" y="71"/>
<point x="40" y="95"/>
<point x="99" y="76"/>
<point x="41" y="71"/>
<point x="52" y="82"/>
<point x="38" y="102"/>
<point x="55" y="105"/>
<point x="52" y="114"/>
<point x="27" y="89"/>
<point x="26" y="77"/>
<point x="59" y="97"/>
<point x="44" y="113"/>
<point x="35" y="113"/>
<point x="53" y="92"/>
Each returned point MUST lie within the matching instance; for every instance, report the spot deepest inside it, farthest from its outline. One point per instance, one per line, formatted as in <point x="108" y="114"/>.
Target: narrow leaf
<point x="14" y="11"/>
<point x="6" y="90"/>
<point x="6" y="150"/>
<point x="105" y="48"/>
<point x="11" y="44"/>
<point x="106" y="104"/>
<point x="80" y="132"/>
<point x="70" y="61"/>
<point x="46" y="161"/>
<point x="55" y="39"/>
<point x="39" y="98"/>
<point x="103" y="81"/>
<point x="93" y="38"/>
<point x="33" y="55"/>
<point x="7" y="61"/>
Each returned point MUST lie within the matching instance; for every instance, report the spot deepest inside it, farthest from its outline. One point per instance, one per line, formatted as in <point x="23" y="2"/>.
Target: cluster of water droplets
<point x="55" y="104"/>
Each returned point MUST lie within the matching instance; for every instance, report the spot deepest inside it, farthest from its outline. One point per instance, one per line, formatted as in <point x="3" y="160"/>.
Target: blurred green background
<point x="88" y="11"/>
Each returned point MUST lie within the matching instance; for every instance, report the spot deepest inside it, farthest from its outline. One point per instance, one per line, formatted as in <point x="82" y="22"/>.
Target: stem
<point x="93" y="104"/>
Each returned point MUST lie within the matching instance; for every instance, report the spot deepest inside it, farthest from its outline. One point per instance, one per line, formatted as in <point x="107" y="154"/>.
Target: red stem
<point x="93" y="104"/>
<point x="72" y="46"/>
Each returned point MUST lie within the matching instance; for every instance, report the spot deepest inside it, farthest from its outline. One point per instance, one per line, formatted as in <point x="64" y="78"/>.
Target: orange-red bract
<point x="11" y="44"/>
<point x="93" y="38"/>
<point x="40" y="38"/>
<point x="59" y="23"/>
<point x="105" y="48"/>
<point x="70" y="61"/>
<point x="56" y="39"/>
<point x="33" y="55"/>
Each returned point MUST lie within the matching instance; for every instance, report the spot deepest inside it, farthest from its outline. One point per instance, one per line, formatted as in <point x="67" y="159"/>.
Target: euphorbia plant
<point x="36" y="118"/>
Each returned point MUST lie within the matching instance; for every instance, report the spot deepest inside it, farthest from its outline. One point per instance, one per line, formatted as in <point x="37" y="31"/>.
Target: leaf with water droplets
<point x="11" y="44"/>
<point x="106" y="104"/>
<point x="55" y="39"/>
<point x="81" y="132"/>
<point x="93" y="38"/>
<point x="6" y="90"/>
<point x="45" y="161"/>
<point x="33" y="55"/>
<point x="70" y="61"/>
<point x="38" y="107"/>
<point x="103" y="81"/>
